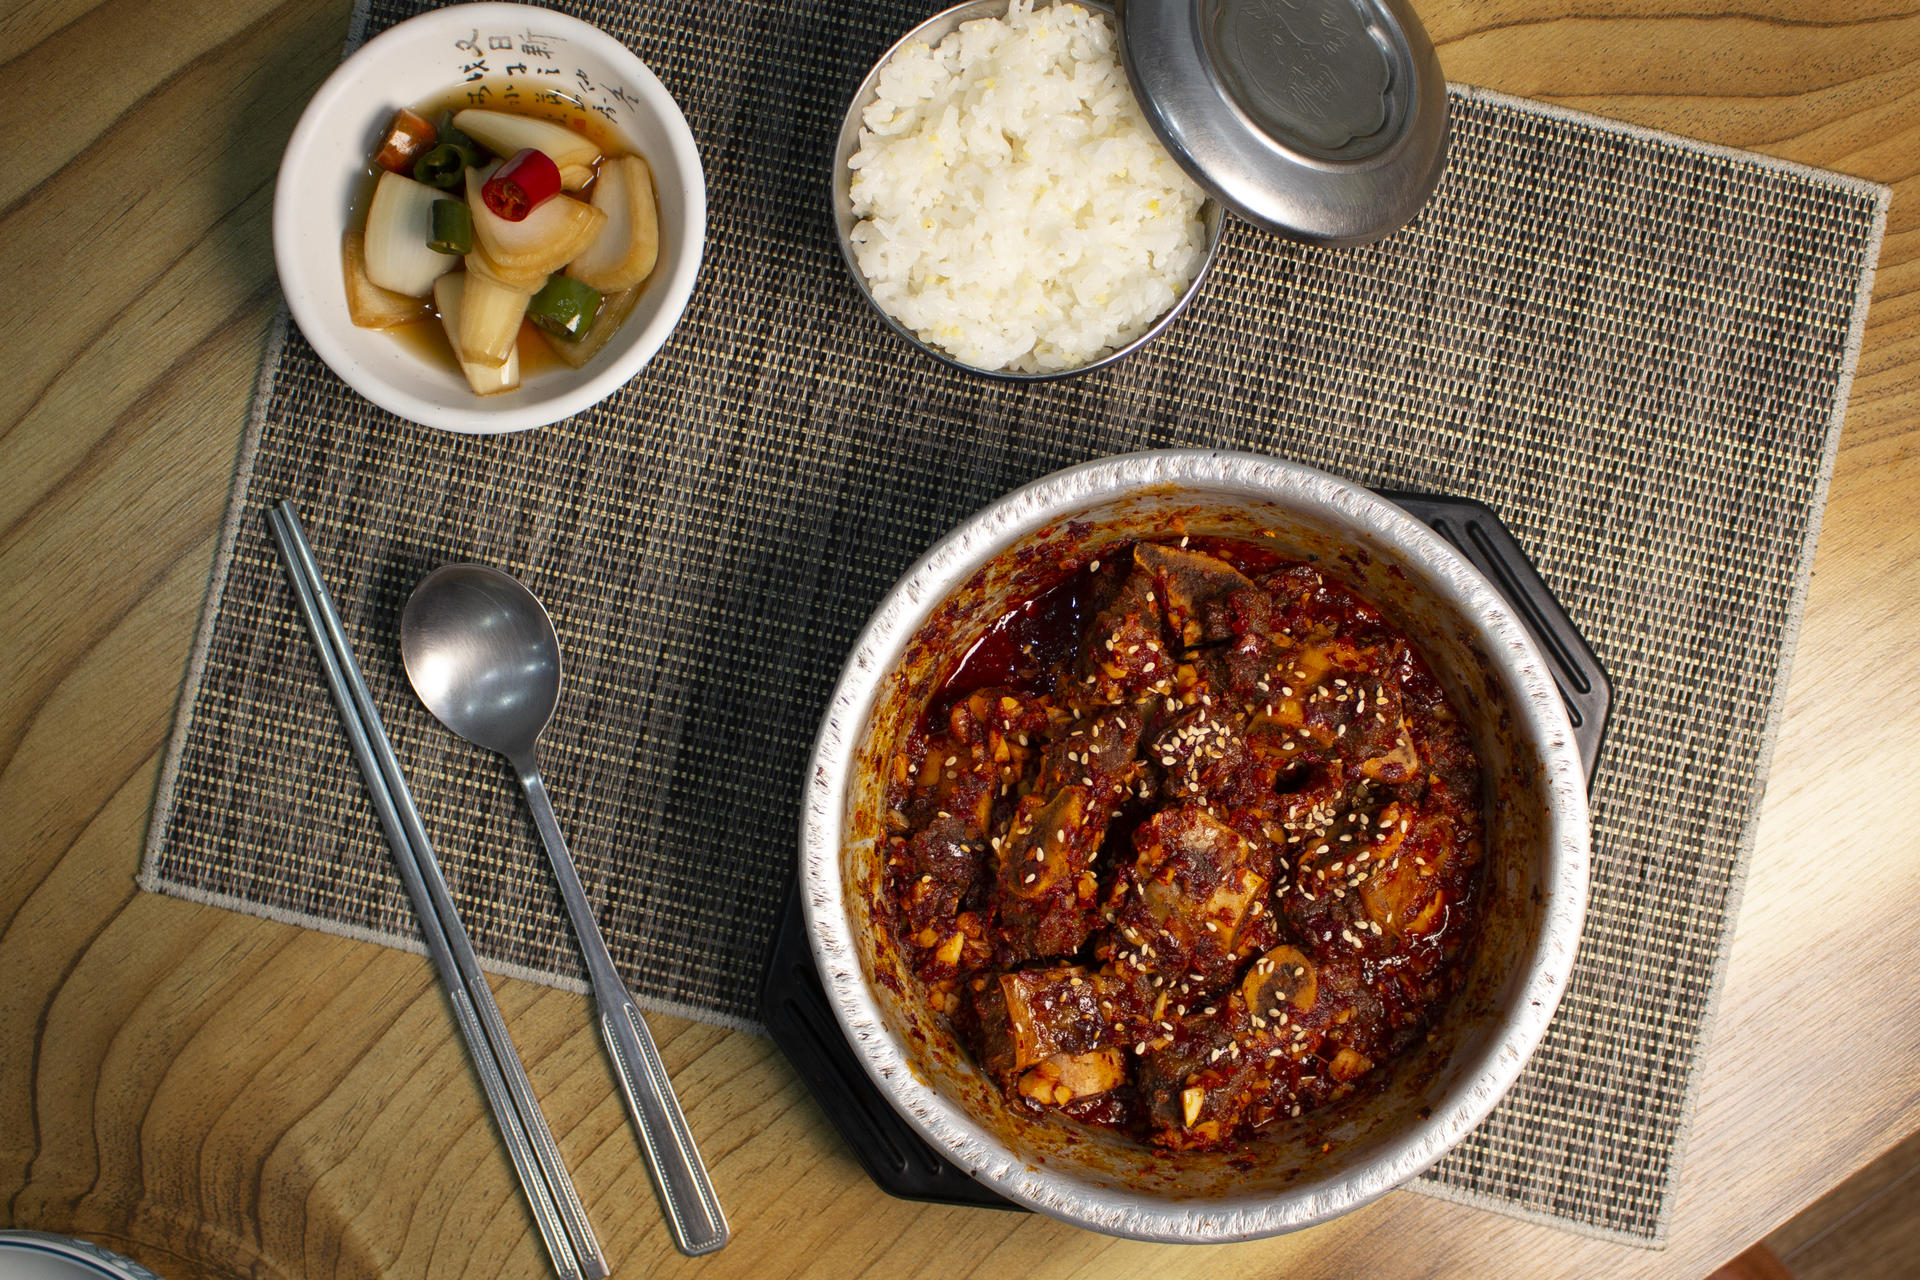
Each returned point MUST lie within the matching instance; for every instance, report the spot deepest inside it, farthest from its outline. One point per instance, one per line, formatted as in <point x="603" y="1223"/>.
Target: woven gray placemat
<point x="1634" y="347"/>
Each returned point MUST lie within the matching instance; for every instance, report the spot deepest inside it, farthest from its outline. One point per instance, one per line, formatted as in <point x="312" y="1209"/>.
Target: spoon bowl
<point x="482" y="653"/>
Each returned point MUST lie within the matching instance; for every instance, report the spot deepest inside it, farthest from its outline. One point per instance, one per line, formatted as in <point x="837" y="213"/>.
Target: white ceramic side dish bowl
<point x="1534" y="894"/>
<point x="417" y="60"/>
<point x="40" y="1255"/>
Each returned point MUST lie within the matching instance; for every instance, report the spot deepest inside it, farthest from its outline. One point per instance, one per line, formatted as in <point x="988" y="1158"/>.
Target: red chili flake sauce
<point x="1186" y="844"/>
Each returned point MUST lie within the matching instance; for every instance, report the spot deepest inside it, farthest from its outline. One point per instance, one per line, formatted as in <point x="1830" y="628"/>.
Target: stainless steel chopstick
<point x="536" y="1157"/>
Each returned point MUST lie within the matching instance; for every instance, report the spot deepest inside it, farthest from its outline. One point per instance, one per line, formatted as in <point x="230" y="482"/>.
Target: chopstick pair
<point x="536" y="1158"/>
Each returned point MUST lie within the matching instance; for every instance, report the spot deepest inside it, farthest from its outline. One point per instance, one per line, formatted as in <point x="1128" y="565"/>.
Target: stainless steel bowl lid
<point x="1325" y="120"/>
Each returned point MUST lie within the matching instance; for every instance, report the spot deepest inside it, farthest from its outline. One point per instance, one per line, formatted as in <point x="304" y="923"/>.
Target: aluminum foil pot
<point x="1415" y="1109"/>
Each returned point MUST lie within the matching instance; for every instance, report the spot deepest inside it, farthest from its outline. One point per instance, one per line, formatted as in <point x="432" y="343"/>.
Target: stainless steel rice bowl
<point x="1537" y="851"/>
<point x="931" y="32"/>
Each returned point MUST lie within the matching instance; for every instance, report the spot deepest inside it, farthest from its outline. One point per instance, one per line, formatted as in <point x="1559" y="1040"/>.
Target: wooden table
<point x="217" y="1095"/>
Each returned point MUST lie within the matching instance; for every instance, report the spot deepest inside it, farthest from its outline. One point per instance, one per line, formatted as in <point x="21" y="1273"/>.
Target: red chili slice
<point x="522" y="185"/>
<point x="408" y="138"/>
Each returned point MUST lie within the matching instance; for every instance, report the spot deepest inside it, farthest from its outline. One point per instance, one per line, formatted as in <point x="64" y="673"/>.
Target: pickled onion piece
<point x="504" y="133"/>
<point x="624" y="252"/>
<point x="399" y="225"/>
<point x="545" y="241"/>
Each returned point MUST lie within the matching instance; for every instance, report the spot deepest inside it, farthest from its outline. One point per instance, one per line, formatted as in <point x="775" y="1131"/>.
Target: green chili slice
<point x="565" y="308"/>
<point x="444" y="167"/>
<point x="452" y="227"/>
<point x="450" y="134"/>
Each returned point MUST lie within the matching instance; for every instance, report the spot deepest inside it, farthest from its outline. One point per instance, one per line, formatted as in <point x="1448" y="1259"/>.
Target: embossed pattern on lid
<point x="1325" y="120"/>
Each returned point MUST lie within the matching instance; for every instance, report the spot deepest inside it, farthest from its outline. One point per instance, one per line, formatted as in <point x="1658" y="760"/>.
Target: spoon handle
<point x="679" y="1176"/>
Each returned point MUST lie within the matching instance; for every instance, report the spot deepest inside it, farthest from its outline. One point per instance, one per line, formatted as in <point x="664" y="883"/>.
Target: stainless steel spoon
<point x="482" y="654"/>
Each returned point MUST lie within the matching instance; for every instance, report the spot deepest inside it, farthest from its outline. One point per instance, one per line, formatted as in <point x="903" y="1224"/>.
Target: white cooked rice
<point x="1015" y="209"/>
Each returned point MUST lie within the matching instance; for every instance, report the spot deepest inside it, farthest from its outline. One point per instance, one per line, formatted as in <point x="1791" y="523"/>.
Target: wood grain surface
<point x="220" y="1096"/>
